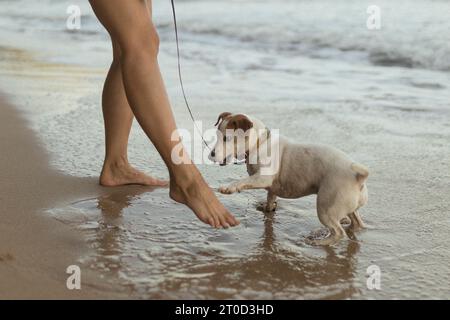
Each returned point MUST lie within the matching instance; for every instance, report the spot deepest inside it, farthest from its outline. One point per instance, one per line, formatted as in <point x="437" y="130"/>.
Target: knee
<point x="153" y="41"/>
<point x="142" y="45"/>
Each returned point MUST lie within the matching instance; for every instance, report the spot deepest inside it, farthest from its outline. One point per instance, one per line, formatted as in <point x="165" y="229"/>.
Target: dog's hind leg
<point x="357" y="223"/>
<point x="332" y="222"/>
<point x="346" y="221"/>
<point x="271" y="204"/>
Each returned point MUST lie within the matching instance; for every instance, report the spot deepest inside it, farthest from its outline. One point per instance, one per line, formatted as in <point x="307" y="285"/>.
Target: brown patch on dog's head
<point x="222" y="116"/>
<point x="239" y="121"/>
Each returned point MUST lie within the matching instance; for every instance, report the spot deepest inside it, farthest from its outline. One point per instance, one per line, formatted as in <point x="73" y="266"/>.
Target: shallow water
<point x="381" y="97"/>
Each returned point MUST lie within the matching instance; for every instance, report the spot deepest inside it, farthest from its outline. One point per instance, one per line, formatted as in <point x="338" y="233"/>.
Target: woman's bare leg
<point x="129" y="23"/>
<point x="118" y="118"/>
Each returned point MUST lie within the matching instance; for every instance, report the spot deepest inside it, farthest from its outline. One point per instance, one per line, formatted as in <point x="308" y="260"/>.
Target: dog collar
<point x="258" y="143"/>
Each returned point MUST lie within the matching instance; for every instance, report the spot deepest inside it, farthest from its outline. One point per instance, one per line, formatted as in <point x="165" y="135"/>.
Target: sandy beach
<point x="36" y="250"/>
<point x="380" y="97"/>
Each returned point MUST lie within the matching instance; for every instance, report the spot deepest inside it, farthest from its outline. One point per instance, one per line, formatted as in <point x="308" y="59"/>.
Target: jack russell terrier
<point x="290" y="170"/>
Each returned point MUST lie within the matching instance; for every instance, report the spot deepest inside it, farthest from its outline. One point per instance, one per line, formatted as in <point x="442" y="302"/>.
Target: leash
<point x="180" y="77"/>
<point x="181" y="82"/>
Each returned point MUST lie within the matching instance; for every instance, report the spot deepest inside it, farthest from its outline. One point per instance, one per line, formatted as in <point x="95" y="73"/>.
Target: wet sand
<point x="36" y="250"/>
<point x="139" y="242"/>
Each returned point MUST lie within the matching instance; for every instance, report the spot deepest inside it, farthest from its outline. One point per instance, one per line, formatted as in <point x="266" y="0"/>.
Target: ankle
<point x="115" y="163"/>
<point x="184" y="178"/>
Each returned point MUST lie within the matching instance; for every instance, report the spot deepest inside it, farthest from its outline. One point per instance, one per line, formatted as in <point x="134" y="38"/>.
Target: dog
<point x="300" y="170"/>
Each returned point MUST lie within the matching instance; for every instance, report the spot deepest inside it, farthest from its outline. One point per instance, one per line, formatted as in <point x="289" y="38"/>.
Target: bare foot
<point x="123" y="174"/>
<point x="199" y="197"/>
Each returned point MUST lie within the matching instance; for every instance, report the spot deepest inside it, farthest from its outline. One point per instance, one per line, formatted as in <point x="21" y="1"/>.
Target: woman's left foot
<point x="114" y="175"/>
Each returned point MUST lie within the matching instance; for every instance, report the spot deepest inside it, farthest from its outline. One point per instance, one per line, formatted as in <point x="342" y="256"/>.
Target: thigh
<point x="127" y="21"/>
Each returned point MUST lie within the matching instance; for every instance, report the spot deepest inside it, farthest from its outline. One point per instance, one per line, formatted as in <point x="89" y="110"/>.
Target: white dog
<point x="290" y="170"/>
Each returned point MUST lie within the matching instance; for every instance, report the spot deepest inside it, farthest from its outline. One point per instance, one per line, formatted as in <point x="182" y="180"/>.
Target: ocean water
<point x="309" y="68"/>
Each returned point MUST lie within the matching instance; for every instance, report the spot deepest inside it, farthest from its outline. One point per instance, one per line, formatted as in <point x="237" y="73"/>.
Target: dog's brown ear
<point x="222" y="116"/>
<point x="239" y="121"/>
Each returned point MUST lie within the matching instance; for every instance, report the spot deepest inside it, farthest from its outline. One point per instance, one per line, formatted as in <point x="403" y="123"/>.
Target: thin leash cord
<point x="179" y="74"/>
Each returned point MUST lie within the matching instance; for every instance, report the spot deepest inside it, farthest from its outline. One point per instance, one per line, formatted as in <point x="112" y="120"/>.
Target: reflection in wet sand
<point x="110" y="234"/>
<point x="270" y="271"/>
<point x="257" y="266"/>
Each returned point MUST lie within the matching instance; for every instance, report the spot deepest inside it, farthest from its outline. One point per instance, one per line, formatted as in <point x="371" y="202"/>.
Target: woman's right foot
<point x="199" y="197"/>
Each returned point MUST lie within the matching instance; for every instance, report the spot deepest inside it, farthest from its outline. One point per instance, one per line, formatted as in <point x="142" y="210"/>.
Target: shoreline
<point x="35" y="250"/>
<point x="134" y="243"/>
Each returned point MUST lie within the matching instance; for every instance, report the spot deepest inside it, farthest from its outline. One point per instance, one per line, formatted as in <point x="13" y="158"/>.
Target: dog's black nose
<point x="213" y="154"/>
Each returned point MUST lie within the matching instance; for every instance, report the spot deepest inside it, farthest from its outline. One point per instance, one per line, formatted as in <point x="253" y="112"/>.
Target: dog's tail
<point x="361" y="172"/>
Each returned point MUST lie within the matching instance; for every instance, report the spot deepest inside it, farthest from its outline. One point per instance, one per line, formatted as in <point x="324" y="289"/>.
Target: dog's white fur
<point x="304" y="169"/>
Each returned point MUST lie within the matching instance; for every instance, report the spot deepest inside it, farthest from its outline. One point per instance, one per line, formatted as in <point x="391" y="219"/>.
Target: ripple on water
<point x="156" y="247"/>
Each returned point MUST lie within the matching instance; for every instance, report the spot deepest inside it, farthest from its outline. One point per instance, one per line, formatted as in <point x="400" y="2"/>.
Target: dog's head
<point x="235" y="137"/>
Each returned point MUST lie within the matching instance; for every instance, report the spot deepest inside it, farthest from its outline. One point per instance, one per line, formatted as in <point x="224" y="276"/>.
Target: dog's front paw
<point x="228" y="190"/>
<point x="269" y="207"/>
